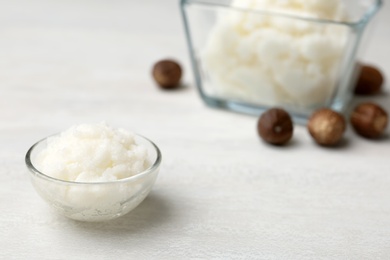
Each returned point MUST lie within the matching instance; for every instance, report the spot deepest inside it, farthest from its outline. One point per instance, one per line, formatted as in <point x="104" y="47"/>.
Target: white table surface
<point x="221" y="192"/>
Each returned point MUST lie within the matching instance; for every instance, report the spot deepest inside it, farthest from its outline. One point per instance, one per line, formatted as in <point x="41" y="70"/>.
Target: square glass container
<point x="250" y="55"/>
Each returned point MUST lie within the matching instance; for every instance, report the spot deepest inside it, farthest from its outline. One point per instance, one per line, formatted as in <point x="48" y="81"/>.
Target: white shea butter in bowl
<point x="93" y="172"/>
<point x="273" y="60"/>
<point x="300" y="55"/>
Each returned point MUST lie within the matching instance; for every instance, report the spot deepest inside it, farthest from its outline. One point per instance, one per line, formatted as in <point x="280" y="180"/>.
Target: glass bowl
<point x="95" y="201"/>
<point x="248" y="58"/>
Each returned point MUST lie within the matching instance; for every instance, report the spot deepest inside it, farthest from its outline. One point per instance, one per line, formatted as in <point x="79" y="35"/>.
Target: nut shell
<point x="275" y="126"/>
<point x="369" y="120"/>
<point x="167" y="74"/>
<point x="370" y="81"/>
<point x="326" y="127"/>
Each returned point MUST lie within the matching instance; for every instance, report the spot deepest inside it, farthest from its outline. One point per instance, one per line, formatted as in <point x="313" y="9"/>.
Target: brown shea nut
<point x="369" y="120"/>
<point x="326" y="127"/>
<point x="167" y="74"/>
<point x="275" y="126"/>
<point x="370" y="81"/>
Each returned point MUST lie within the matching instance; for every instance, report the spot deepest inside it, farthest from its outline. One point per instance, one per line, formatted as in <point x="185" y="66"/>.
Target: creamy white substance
<point x="92" y="153"/>
<point x="273" y="60"/>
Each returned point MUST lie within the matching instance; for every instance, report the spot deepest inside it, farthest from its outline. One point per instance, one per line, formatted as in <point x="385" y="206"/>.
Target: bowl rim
<point x="361" y="21"/>
<point x="33" y="170"/>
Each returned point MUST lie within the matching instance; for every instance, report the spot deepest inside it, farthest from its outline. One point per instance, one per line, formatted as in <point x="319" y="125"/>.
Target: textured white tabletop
<point x="221" y="192"/>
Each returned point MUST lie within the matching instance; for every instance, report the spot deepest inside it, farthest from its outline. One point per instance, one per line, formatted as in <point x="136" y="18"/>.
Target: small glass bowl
<point x="94" y="201"/>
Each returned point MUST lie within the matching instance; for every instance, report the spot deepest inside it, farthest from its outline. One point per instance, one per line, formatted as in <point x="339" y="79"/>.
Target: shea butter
<point x="92" y="153"/>
<point x="275" y="52"/>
